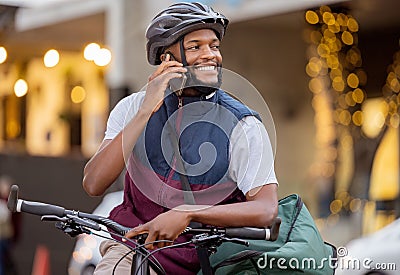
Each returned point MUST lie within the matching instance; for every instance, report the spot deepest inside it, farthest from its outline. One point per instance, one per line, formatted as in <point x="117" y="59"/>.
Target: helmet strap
<point x="182" y="49"/>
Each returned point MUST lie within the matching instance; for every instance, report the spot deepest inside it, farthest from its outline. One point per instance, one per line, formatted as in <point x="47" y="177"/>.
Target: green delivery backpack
<point x="299" y="248"/>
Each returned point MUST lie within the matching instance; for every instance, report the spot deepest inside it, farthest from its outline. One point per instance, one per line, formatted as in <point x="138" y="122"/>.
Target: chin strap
<point x="183" y="56"/>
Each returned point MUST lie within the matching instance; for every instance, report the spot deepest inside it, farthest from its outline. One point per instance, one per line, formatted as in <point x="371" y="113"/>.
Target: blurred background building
<point x="329" y="71"/>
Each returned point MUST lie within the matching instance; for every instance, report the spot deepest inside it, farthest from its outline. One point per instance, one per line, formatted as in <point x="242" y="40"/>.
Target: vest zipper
<point x="177" y="127"/>
<point x="180" y="102"/>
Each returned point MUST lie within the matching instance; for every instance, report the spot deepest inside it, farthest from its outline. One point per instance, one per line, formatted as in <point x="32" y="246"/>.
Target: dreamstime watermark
<point x="343" y="261"/>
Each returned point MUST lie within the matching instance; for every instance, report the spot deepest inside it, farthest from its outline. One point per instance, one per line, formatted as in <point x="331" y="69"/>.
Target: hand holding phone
<point x="169" y="70"/>
<point x="176" y="84"/>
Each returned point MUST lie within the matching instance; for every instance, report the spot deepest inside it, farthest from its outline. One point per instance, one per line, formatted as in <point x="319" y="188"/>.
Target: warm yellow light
<point x="342" y="196"/>
<point x="336" y="206"/>
<point x="335" y="28"/>
<point x="20" y="88"/>
<point x="347" y="38"/>
<point x="358" y="118"/>
<point x="396" y="69"/>
<point x="51" y="58"/>
<point x="3" y="54"/>
<point x="332" y="61"/>
<point x="90" y="51"/>
<point x="329" y="35"/>
<point x="352" y="80"/>
<point x="323" y="50"/>
<point x="78" y="94"/>
<point x="345" y="117"/>
<point x="342" y="19"/>
<point x="353" y="55"/>
<point x="349" y="99"/>
<point x="13" y="129"/>
<point x="103" y="57"/>
<point x="394" y="120"/>
<point x="394" y="85"/>
<point x="375" y="111"/>
<point x="335" y="73"/>
<point x="325" y="9"/>
<point x="352" y="25"/>
<point x="328" y="18"/>
<point x="312" y="17"/>
<point x="335" y="46"/>
<point x="315" y="85"/>
<point x="342" y="102"/>
<point x="313" y="68"/>
<point x="385" y="169"/>
<point x="362" y="76"/>
<point x="358" y="95"/>
<point x="338" y="84"/>
<point x="315" y="37"/>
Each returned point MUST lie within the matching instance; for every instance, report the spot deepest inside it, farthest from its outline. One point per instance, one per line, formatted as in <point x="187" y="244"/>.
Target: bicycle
<point x="74" y="223"/>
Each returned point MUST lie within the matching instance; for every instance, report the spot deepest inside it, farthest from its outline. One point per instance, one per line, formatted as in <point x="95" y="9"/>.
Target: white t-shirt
<point x="250" y="152"/>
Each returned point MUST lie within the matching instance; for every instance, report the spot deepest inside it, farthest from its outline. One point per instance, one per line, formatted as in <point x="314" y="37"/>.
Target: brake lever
<point x="72" y="229"/>
<point x="235" y="240"/>
<point x="53" y="218"/>
<point x="85" y="222"/>
<point x="72" y="225"/>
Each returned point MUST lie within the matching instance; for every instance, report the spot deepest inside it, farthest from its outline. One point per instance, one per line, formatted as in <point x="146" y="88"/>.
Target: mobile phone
<point x="177" y="84"/>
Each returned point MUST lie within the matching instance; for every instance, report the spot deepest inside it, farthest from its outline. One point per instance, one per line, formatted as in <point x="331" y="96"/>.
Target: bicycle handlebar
<point x="51" y="212"/>
<point x="36" y="208"/>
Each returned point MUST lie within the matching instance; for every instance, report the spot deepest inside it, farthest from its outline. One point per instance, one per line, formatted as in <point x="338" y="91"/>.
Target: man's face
<point x="202" y="54"/>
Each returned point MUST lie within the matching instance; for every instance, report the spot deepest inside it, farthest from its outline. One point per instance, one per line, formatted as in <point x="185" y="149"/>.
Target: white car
<point x="378" y="253"/>
<point x="86" y="253"/>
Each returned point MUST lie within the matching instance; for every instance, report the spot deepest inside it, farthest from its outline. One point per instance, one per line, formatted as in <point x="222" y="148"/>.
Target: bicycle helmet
<point x="177" y="20"/>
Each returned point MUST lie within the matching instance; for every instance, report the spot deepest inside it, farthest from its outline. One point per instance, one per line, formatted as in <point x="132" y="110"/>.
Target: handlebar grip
<point x="38" y="208"/>
<point x="251" y="233"/>
<point x="13" y="198"/>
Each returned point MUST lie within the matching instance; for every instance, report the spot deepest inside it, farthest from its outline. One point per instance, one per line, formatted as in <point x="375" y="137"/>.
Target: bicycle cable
<point x="159" y="249"/>
<point x="135" y="249"/>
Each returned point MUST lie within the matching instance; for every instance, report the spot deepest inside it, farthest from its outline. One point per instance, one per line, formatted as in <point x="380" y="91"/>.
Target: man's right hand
<point x="158" y="83"/>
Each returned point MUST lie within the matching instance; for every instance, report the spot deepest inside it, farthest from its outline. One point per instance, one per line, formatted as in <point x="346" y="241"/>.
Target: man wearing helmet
<point x="184" y="109"/>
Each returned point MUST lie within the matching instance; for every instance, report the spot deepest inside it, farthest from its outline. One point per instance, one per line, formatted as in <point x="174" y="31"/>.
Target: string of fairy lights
<point x="334" y="66"/>
<point x="336" y="81"/>
<point x="391" y="92"/>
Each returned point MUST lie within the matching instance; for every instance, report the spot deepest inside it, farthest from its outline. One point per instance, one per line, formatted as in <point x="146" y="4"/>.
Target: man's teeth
<point x="205" y="68"/>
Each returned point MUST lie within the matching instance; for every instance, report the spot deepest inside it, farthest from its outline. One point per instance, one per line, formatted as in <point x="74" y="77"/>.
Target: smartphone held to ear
<point x="176" y="84"/>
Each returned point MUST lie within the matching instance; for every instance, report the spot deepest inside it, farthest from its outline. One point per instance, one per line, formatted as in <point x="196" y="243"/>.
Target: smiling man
<point x="183" y="117"/>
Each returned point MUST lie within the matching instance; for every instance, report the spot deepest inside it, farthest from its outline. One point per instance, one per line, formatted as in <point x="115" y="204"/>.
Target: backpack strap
<point x="299" y="205"/>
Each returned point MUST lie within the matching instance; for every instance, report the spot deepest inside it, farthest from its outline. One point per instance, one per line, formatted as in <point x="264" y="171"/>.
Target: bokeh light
<point x="51" y="58"/>
<point x="20" y="88"/>
<point x="3" y="55"/>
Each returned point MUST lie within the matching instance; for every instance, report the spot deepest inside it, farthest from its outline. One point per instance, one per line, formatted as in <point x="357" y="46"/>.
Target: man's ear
<point x="162" y="57"/>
